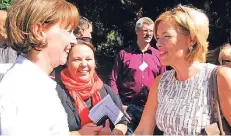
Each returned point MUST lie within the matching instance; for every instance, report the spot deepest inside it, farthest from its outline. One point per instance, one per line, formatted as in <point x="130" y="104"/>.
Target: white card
<point x="106" y="107"/>
<point x="143" y="66"/>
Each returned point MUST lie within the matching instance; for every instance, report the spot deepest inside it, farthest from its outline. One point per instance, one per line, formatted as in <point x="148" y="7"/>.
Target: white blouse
<point x="29" y="104"/>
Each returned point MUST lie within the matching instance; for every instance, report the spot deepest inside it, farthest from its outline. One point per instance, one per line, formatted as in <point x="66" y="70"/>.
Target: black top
<point x="74" y="121"/>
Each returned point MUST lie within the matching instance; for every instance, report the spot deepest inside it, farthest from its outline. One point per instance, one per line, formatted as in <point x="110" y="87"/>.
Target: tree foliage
<point x="5" y="4"/>
<point x="114" y="22"/>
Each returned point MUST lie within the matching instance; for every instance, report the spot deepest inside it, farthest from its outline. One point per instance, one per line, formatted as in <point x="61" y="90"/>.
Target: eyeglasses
<point x="86" y="39"/>
<point x="147" y="30"/>
<point x="225" y="61"/>
<point x="182" y="9"/>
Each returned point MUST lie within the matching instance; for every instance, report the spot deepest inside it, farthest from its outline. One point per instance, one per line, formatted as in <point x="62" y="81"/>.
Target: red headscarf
<point x="81" y="92"/>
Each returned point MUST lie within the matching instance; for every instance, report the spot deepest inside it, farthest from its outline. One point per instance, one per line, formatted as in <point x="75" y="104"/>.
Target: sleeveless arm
<point x="224" y="91"/>
<point x="148" y="121"/>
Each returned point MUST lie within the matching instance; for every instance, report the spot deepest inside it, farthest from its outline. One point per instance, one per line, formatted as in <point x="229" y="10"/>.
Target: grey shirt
<point x="7" y="56"/>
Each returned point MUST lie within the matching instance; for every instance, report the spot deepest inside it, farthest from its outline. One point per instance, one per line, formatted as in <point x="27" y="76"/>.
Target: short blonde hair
<point x="24" y="14"/>
<point x="193" y="22"/>
<point x="225" y="52"/>
<point x="142" y="21"/>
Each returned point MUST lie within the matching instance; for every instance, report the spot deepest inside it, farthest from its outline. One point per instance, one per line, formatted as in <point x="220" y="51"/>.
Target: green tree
<point x="114" y="22"/>
<point x="5" y="4"/>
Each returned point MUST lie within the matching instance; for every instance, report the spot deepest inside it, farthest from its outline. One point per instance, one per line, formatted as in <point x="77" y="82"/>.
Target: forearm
<point x="148" y="120"/>
<point x="120" y="129"/>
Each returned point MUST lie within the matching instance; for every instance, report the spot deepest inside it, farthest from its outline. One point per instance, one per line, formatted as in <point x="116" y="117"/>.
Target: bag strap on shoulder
<point x="214" y="85"/>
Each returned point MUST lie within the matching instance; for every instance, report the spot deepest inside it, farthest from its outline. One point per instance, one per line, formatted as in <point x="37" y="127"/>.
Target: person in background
<point x="80" y="89"/>
<point x="134" y="69"/>
<point x="7" y="54"/>
<point x="225" y="56"/>
<point x="29" y="104"/>
<point x="84" y="30"/>
<point x="180" y="101"/>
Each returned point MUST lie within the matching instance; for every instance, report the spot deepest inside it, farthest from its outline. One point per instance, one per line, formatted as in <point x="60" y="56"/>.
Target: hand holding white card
<point x="105" y="107"/>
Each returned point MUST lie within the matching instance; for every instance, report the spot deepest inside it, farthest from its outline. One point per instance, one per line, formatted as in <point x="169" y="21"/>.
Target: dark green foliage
<point x="114" y="22"/>
<point x="5" y="4"/>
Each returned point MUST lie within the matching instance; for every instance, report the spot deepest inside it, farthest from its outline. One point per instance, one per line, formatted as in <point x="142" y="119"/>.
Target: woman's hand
<point x="90" y="129"/>
<point x="106" y="130"/>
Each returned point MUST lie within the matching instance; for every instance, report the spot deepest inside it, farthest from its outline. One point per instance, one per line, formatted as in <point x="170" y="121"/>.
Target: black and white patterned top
<point x="184" y="107"/>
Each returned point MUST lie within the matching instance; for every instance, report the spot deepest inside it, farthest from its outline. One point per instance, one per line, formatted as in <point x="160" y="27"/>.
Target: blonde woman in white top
<point x="179" y="101"/>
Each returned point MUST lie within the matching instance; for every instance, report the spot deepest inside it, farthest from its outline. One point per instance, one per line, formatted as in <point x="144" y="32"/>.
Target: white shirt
<point x="4" y="67"/>
<point x="29" y="104"/>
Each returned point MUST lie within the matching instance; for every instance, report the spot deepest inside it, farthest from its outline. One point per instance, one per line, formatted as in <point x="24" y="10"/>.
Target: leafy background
<point x="114" y="22"/>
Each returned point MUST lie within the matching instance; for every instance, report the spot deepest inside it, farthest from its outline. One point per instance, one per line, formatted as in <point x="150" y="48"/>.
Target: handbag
<point x="220" y="125"/>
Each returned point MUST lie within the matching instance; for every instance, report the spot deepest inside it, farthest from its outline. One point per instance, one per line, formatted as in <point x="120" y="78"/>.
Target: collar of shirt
<point x="135" y="49"/>
<point x="38" y="73"/>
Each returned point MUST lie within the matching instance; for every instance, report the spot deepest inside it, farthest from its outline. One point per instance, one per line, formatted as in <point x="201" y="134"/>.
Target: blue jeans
<point x="135" y="113"/>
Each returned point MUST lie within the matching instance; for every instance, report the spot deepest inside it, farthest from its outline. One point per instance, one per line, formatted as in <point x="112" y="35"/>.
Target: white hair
<point x="141" y="21"/>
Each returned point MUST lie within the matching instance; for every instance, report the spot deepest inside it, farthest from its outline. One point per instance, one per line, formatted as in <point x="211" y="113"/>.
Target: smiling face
<point x="145" y="34"/>
<point x="58" y="44"/>
<point x="81" y="63"/>
<point x="172" y="43"/>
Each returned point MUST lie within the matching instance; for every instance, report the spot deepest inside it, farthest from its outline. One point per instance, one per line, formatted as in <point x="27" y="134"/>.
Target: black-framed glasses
<point x="225" y="61"/>
<point x="86" y="39"/>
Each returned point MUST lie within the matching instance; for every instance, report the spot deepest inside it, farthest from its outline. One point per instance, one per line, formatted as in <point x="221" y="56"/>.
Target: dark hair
<point x="90" y="45"/>
<point x="81" y="42"/>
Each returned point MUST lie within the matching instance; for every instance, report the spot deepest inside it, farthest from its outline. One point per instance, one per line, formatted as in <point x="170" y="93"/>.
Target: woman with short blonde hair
<point x="188" y="22"/>
<point x="180" y="101"/>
